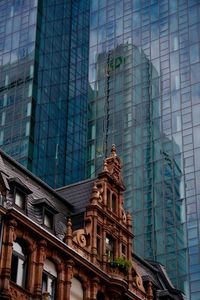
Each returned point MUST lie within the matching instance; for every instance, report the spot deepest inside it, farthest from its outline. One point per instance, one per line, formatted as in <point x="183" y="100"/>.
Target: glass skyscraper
<point x="137" y="63"/>
<point x="144" y="96"/>
<point x="43" y="86"/>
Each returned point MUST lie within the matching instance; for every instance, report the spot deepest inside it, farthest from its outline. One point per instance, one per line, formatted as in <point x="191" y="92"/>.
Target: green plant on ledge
<point x="123" y="264"/>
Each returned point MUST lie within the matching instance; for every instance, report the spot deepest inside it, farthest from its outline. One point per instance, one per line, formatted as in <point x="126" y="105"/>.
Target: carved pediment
<point x="113" y="166"/>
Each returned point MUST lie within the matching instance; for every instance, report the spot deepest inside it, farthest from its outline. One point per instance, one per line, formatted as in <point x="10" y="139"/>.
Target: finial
<point x="113" y="150"/>
<point x="95" y="189"/>
<point x="95" y="194"/>
<point x="128" y="218"/>
<point x="69" y="223"/>
<point x="69" y="233"/>
<point x="105" y="166"/>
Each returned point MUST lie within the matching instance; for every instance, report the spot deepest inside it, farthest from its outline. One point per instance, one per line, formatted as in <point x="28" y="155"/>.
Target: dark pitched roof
<point x="36" y="190"/>
<point x="157" y="273"/>
<point x="39" y="188"/>
<point x="77" y="194"/>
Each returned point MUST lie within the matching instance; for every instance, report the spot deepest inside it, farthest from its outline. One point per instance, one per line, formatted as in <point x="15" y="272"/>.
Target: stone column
<point x="68" y="278"/>
<point x="104" y="256"/>
<point x="41" y="256"/>
<point x="94" y="238"/>
<point x="61" y="281"/>
<point x="94" y="288"/>
<point x="32" y="257"/>
<point x="150" y="291"/>
<point x="6" y="257"/>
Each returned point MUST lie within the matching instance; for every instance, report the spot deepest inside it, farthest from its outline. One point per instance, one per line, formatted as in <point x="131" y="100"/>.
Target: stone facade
<point x="98" y="254"/>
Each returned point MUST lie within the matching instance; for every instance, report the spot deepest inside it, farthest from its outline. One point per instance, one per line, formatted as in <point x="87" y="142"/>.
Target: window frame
<point x="51" y="275"/>
<point x="99" y="240"/>
<point x="15" y="271"/>
<point x="49" y="213"/>
<point x="21" y="193"/>
<point x="110" y="248"/>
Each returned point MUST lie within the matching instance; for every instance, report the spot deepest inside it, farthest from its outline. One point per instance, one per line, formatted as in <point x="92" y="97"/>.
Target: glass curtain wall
<point x="144" y="95"/>
<point x="61" y="91"/>
<point x="17" y="50"/>
<point x="78" y="93"/>
<point x="51" y="90"/>
<point x="44" y="85"/>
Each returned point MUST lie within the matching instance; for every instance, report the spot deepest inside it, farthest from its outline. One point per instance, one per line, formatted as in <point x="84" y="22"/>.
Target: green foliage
<point x="122" y="263"/>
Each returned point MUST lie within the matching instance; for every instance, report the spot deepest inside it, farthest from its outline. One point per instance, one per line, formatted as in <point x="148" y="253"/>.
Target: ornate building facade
<point x="73" y="243"/>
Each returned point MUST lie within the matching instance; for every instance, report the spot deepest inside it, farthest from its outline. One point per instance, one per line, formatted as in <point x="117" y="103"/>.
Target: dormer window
<point x="20" y="192"/>
<point x="20" y="199"/>
<point x="47" y="211"/>
<point x="48" y="218"/>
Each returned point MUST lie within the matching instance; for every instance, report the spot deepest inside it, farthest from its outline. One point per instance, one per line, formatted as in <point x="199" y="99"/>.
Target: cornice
<point x="37" y="229"/>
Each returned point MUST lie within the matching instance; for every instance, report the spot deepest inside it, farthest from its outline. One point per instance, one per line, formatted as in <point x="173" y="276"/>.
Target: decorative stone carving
<point x="16" y="294"/>
<point x="137" y="280"/>
<point x="100" y="193"/>
<point x="79" y="237"/>
<point x="123" y="216"/>
<point x="112" y="228"/>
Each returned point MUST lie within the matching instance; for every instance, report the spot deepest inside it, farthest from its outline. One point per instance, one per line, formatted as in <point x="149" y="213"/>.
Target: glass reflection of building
<point x="43" y="88"/>
<point x="147" y="103"/>
<point x="144" y="83"/>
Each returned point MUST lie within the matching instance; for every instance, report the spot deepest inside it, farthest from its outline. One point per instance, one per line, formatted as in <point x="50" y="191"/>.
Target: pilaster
<point x="6" y="257"/>
<point x="41" y="256"/>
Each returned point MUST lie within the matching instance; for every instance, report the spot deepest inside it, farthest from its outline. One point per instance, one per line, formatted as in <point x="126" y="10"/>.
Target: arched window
<point x="49" y="279"/>
<point x="76" y="292"/>
<point x="18" y="265"/>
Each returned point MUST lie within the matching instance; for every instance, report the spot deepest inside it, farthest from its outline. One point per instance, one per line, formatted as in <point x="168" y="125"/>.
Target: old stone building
<point x="73" y="243"/>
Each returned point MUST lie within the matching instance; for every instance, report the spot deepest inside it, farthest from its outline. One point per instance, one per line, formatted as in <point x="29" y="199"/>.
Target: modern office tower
<point x="43" y="86"/>
<point x="144" y="96"/>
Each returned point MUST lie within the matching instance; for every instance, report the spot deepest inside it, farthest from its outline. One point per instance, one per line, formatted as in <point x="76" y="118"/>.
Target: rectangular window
<point x="5" y="97"/>
<point x="109" y="248"/>
<point x="98" y="240"/>
<point x="48" y="219"/>
<point x="30" y="90"/>
<point x="14" y="268"/>
<point x="18" y="266"/>
<point x="29" y="107"/>
<point x="49" y="285"/>
<point x="3" y="118"/>
<point x="1" y="136"/>
<point x="20" y="199"/>
<point x="6" y="80"/>
<point x="27" y="128"/>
